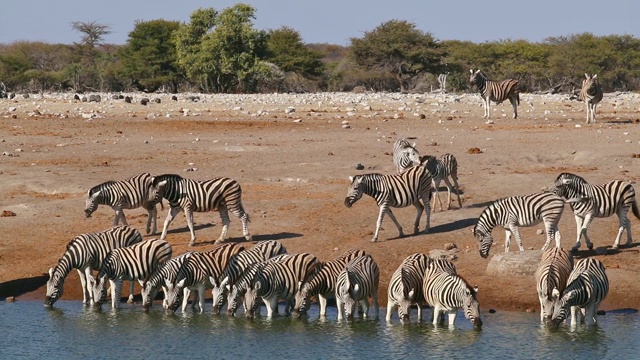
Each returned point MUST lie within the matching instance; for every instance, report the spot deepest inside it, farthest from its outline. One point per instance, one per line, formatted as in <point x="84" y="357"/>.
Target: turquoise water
<point x="71" y="331"/>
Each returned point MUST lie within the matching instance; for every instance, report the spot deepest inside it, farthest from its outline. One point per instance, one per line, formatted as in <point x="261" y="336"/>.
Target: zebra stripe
<point x="405" y="155"/>
<point x="86" y="252"/>
<point x="323" y="282"/>
<point x="405" y="286"/>
<point x="496" y="92"/>
<point x="237" y="264"/>
<point x="355" y="284"/>
<point x="447" y="292"/>
<point x="552" y="273"/>
<point x="135" y="262"/>
<point x="440" y="170"/>
<point x="131" y="193"/>
<point x="591" y="93"/>
<point x="165" y="273"/>
<point x="221" y="194"/>
<point x="597" y="201"/>
<point x="586" y="287"/>
<point x="272" y="281"/>
<point x="397" y="190"/>
<point x="512" y="212"/>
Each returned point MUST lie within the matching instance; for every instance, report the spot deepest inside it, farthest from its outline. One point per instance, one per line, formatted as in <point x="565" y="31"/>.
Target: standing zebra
<point x="405" y="155"/>
<point x="496" y="91"/>
<point x="405" y="286"/>
<point x="163" y="275"/>
<point x="512" y="212"/>
<point x="323" y="282"/>
<point x="126" y="194"/>
<point x="237" y="264"/>
<point x="86" y="253"/>
<point x="446" y="291"/>
<point x="221" y="194"/>
<point x="591" y="94"/>
<point x="440" y="170"/>
<point x="397" y="190"/>
<point x="135" y="262"/>
<point x="271" y="281"/>
<point x="586" y="287"/>
<point x="552" y="273"/>
<point x="600" y="201"/>
<point x="355" y="284"/>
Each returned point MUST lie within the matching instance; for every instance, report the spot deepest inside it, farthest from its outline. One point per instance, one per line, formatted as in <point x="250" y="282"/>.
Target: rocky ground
<point x="293" y="155"/>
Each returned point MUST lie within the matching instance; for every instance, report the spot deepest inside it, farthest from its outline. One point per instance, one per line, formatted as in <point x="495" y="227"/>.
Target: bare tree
<point x="92" y="32"/>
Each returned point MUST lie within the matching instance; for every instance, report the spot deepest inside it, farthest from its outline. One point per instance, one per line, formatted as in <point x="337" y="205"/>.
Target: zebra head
<point x="355" y="190"/>
<point x="405" y="302"/>
<point x="250" y="301"/>
<point x="156" y="191"/>
<point x="218" y="293"/>
<point x="148" y="293"/>
<point x="485" y="241"/>
<point x="590" y="84"/>
<point x="99" y="289"/>
<point x="302" y="301"/>
<point x="92" y="202"/>
<point x="55" y="288"/>
<point x="471" y="307"/>
<point x="570" y="187"/>
<point x="477" y="78"/>
<point x="561" y="305"/>
<point x="347" y="294"/>
<point x="172" y="295"/>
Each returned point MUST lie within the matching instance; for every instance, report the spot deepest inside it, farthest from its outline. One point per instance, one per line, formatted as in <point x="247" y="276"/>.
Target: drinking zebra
<point x="496" y="91"/>
<point x="440" y="170"/>
<point x="135" y="262"/>
<point x="397" y="190"/>
<point x="597" y="201"/>
<point x="552" y="273"/>
<point x="163" y="275"/>
<point x="237" y="264"/>
<point x="512" y="212"/>
<point x="131" y="193"/>
<point x="86" y="253"/>
<point x="355" y="284"/>
<point x="405" y="155"/>
<point x="446" y="291"/>
<point x="591" y="94"/>
<point x="405" y="286"/>
<point x="323" y="283"/>
<point x="221" y="194"/>
<point x="586" y="287"/>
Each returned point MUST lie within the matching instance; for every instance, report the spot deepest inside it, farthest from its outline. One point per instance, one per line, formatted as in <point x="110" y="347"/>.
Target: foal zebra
<point x="512" y="212"/>
<point x="591" y="94"/>
<point x="221" y="194"/>
<point x="600" y="201"/>
<point x="397" y="190"/>
<point x="131" y="193"/>
<point x="355" y="284"/>
<point x="405" y="286"/>
<point x="440" y="170"/>
<point x="405" y="155"/>
<point x="323" y="283"/>
<point x="552" y="273"/>
<point x="587" y="286"/>
<point x="135" y="262"/>
<point x="446" y="291"/>
<point x="496" y="91"/>
<point x="86" y="253"/>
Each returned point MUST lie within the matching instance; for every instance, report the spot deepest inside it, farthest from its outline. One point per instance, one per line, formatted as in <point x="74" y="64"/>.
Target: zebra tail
<point x="518" y="99"/>
<point x="634" y="208"/>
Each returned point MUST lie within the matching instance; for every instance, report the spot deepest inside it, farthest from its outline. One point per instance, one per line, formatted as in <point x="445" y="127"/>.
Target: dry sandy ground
<point x="294" y="166"/>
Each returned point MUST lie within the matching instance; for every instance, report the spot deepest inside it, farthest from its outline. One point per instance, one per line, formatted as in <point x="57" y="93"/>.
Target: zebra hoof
<point x="590" y="246"/>
<point x="373" y="240"/>
<point x="191" y="243"/>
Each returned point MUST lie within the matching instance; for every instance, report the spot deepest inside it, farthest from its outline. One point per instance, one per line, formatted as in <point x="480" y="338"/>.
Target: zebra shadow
<point x="481" y="205"/>
<point x="18" y="287"/>
<point x="453" y="226"/>
<point x="185" y="228"/>
<point x="605" y="250"/>
<point x="276" y="236"/>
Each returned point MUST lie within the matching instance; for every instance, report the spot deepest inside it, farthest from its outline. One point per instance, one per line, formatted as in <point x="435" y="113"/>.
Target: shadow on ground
<point x="22" y="286"/>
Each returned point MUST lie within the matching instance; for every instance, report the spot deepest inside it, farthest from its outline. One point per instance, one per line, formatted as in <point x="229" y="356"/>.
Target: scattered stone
<point x="174" y="98"/>
<point x="539" y="232"/>
<point x="346" y="126"/>
<point x="297" y="120"/>
<point x="157" y="100"/>
<point x="530" y="310"/>
<point x="7" y="213"/>
<point x="128" y="99"/>
<point x="450" y="246"/>
<point x="422" y="116"/>
<point x="359" y="167"/>
<point x="76" y="97"/>
<point x="474" y="150"/>
<point x="518" y="263"/>
<point x="289" y="110"/>
<point x="144" y="101"/>
<point x="94" y="98"/>
<point x="492" y="311"/>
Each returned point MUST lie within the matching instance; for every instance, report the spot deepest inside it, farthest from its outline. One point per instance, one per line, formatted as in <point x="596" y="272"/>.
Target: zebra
<point x="586" y="287"/>
<point x="405" y="155"/>
<point x="221" y="194"/>
<point x="126" y="194"/>
<point x="591" y="94"/>
<point x="166" y="273"/>
<point x="86" y="253"/>
<point x="304" y="266"/>
<point x="512" y="212"/>
<point x="496" y="91"/>
<point x="396" y="190"/>
<point x="597" y="201"/>
<point x="355" y="284"/>
<point x="446" y="291"/>
<point x="441" y="169"/>
<point x="261" y="251"/>
<point x="135" y="262"/>
<point x="323" y="282"/>
<point x="552" y="273"/>
<point x="405" y="286"/>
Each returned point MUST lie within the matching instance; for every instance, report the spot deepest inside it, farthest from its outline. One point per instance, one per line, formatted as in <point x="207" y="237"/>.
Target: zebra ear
<point x="471" y="71"/>
<point x="475" y="289"/>
<point x="224" y="282"/>
<point x="50" y="273"/>
<point x="350" y="178"/>
<point x="257" y="285"/>
<point x="181" y="282"/>
<point x="162" y="183"/>
<point x="142" y="283"/>
<point x="565" y="181"/>
<point x="96" y="194"/>
<point x="356" y="288"/>
<point x="411" y="293"/>
<point x="555" y="294"/>
<point x="594" y="76"/>
<point x="213" y="281"/>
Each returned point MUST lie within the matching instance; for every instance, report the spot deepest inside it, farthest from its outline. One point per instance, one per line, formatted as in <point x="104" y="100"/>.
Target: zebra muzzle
<point x="348" y="202"/>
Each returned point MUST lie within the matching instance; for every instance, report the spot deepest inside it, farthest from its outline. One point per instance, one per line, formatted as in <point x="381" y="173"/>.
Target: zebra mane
<point x="466" y="283"/>
<point x="571" y="176"/>
<point x="163" y="177"/>
<point x="99" y="187"/>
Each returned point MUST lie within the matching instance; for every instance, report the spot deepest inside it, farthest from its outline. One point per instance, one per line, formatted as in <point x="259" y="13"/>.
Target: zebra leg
<point x="419" y="209"/>
<point x="579" y="221"/>
<point x="86" y="293"/>
<point x="516" y="233"/>
<point x="448" y="184"/>
<point x="152" y="219"/>
<point x="436" y="186"/>
<point x="323" y="305"/>
<point x="364" y="305"/>
<point x="457" y="188"/>
<point x="427" y="210"/>
<point x="376" y="306"/>
<point x="583" y="230"/>
<point x="514" y="103"/>
<point x="244" y="218"/>
<point x="436" y="315"/>
<point x="272" y="306"/>
<point x="551" y="230"/>
<point x="507" y="239"/>
<point x="120" y="216"/>
<point x="340" y="306"/>
<point x="452" y="316"/>
<point x="186" y="293"/>
<point x="170" y="216"/>
<point x="130" y="298"/>
<point x="628" y="227"/>
<point x="590" y="314"/>
<point x="188" y="214"/>
<point x="622" y="221"/>
<point x="391" y="305"/>
<point x="116" y="291"/>
<point x="224" y="216"/>
<point x="200" y="293"/>
<point x="419" y="312"/>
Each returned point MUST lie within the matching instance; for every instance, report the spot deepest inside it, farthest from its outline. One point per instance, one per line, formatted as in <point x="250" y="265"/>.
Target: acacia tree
<point x="84" y="71"/>
<point x="287" y="50"/>
<point x="398" y="48"/>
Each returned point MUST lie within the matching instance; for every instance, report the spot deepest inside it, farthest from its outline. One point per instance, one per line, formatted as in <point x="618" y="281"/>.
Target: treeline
<point x="222" y="52"/>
